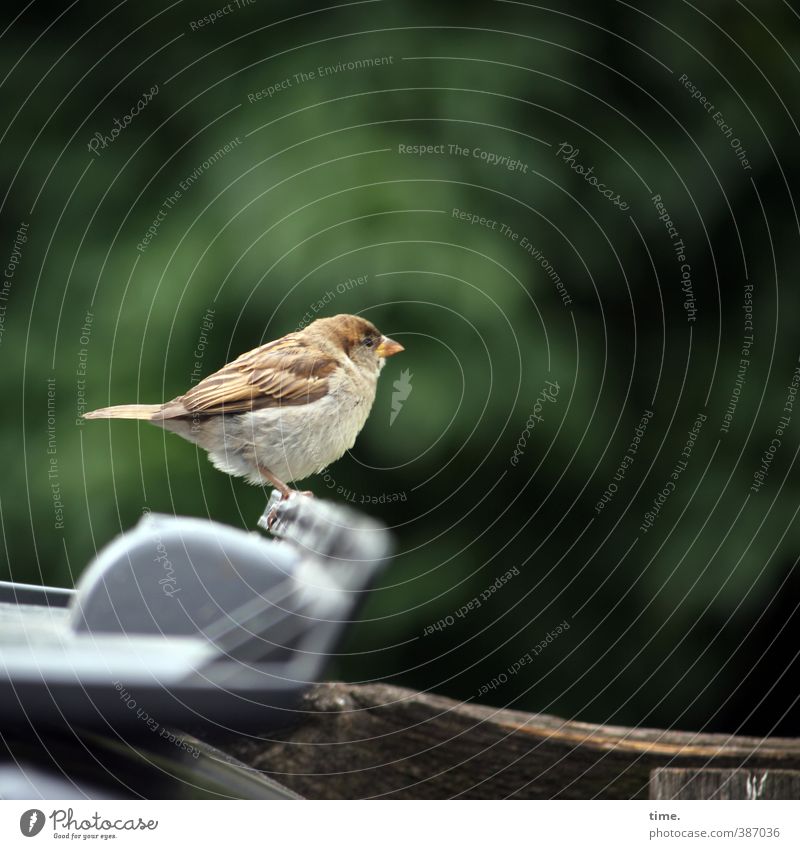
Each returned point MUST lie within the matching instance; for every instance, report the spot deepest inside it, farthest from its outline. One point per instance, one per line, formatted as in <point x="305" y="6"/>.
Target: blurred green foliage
<point x="684" y="625"/>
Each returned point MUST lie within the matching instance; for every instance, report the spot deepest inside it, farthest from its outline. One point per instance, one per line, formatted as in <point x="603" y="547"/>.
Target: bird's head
<point x="358" y="338"/>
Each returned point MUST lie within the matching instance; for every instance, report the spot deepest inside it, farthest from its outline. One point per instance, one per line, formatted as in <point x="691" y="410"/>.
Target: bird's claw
<point x="286" y="494"/>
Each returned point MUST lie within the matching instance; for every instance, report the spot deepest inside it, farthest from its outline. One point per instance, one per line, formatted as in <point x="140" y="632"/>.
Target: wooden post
<point x="668" y="783"/>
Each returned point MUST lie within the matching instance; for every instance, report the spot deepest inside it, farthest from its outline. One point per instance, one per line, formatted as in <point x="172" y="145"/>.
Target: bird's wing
<point x="288" y="371"/>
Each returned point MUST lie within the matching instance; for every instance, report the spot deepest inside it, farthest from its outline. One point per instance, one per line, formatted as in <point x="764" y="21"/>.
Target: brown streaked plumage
<point x="284" y="410"/>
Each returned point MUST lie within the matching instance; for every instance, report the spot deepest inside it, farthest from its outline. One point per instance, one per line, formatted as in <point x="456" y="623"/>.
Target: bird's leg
<point x="284" y="490"/>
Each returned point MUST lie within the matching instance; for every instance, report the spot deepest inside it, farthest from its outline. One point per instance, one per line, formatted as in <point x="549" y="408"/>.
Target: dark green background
<point x="695" y="625"/>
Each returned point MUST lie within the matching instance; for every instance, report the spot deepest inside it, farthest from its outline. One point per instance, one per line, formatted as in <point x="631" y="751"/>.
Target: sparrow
<point x="284" y="410"/>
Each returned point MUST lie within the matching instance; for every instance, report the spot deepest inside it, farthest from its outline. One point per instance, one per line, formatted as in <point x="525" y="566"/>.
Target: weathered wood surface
<point x="666" y="783"/>
<point x="375" y="740"/>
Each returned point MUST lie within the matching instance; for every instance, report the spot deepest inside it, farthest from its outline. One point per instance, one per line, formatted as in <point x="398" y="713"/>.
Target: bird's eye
<point x="368" y="341"/>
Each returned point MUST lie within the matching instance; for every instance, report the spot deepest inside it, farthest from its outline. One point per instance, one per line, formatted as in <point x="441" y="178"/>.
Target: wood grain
<point x="752" y="784"/>
<point x="375" y="740"/>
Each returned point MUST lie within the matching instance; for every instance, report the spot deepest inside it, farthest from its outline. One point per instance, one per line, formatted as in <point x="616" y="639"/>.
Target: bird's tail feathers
<point x="126" y="411"/>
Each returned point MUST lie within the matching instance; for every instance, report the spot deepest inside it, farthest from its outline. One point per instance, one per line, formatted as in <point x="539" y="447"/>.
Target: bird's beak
<point x="388" y="347"/>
